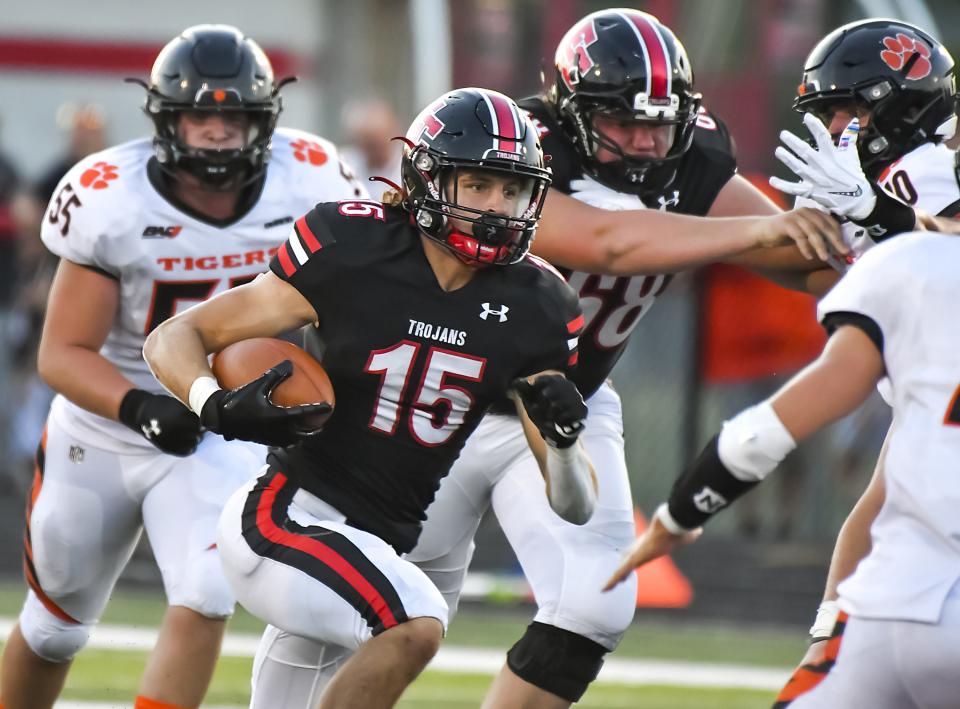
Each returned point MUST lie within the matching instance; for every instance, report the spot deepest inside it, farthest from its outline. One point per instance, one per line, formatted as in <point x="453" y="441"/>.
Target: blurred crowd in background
<point x="364" y="66"/>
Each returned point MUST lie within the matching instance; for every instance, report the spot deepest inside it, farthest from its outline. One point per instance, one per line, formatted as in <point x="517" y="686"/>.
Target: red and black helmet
<point x="896" y="70"/>
<point x="482" y="131"/>
<point x="629" y="66"/>
<point x="213" y="68"/>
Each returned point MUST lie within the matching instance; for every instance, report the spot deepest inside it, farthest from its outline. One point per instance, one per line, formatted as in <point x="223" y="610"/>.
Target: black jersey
<point x="613" y="305"/>
<point x="413" y="367"/>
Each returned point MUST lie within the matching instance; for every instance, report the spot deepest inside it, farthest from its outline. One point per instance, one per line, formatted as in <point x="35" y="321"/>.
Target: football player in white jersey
<point x="143" y="230"/>
<point x="899" y="83"/>
<point x="890" y="104"/>
<point x="896" y="644"/>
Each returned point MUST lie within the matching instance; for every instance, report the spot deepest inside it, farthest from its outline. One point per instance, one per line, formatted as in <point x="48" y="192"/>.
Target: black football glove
<point x="162" y="420"/>
<point x="555" y="406"/>
<point x="248" y="414"/>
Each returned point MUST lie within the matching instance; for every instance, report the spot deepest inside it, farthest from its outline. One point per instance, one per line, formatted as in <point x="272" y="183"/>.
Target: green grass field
<point x="107" y="676"/>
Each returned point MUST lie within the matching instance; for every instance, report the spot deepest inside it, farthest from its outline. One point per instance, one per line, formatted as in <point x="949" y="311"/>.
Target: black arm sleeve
<point x="889" y="217"/>
<point x="705" y="488"/>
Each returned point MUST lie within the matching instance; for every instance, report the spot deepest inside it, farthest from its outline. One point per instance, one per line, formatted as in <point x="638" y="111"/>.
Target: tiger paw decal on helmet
<point x="99" y="175"/>
<point x="902" y="51"/>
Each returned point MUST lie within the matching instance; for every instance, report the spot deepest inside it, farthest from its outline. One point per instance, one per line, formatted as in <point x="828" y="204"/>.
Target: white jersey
<point x="108" y="215"/>
<point x="926" y="178"/>
<point x="908" y="286"/>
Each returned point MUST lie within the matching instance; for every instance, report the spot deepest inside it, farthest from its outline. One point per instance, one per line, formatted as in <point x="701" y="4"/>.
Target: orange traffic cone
<point x="660" y="583"/>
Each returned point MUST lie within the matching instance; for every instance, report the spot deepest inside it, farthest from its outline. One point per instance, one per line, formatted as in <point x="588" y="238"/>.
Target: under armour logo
<point x="709" y="501"/>
<point x="151" y="429"/>
<point x="672" y="202"/>
<point x="487" y="310"/>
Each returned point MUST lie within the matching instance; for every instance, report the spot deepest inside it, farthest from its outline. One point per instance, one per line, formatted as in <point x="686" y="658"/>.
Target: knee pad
<point x="203" y="588"/>
<point x="50" y="637"/>
<point x="556" y="660"/>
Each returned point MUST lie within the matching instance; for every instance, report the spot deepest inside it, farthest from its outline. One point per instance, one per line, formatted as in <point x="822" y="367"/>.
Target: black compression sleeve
<point x="705" y="488"/>
<point x="889" y="217"/>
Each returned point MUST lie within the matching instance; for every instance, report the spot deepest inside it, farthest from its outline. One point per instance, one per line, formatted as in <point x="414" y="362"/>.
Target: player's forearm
<point x="854" y="542"/>
<point x="99" y="389"/>
<point x="819" y="282"/>
<point x="669" y="243"/>
<point x="571" y="484"/>
<point x="575" y="235"/>
<point x="177" y="356"/>
<point x="756" y="440"/>
<point x="816" y="282"/>
<point x="853" y="545"/>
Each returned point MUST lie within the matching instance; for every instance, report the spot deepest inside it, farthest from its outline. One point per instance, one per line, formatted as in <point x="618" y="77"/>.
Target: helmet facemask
<point x="634" y="173"/>
<point x="899" y="73"/>
<point x="215" y="168"/>
<point x="899" y="121"/>
<point x="454" y="207"/>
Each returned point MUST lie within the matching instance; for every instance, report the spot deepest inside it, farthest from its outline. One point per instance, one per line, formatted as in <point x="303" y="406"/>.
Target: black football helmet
<point x="899" y="72"/>
<point x="474" y="130"/>
<point x="213" y="68"/>
<point x="628" y="66"/>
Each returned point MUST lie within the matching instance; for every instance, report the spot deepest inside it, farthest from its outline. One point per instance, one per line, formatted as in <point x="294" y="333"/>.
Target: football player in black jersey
<point x="429" y="312"/>
<point x="625" y="130"/>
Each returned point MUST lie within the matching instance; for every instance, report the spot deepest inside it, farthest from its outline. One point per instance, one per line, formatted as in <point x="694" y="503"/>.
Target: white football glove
<point x="829" y="174"/>
<point x="591" y="192"/>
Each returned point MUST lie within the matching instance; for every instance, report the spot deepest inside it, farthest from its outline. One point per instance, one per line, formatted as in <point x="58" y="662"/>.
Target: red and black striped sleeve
<point x="307" y="260"/>
<point x="309" y="235"/>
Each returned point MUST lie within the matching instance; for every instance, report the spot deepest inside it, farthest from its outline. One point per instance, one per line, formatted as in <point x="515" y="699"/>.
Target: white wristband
<point x="827" y="615"/>
<point x="201" y="390"/>
<point x="666" y="519"/>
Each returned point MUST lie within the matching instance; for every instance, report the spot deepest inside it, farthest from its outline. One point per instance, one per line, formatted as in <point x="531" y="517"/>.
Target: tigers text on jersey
<point x="908" y="287"/>
<point x="613" y="305"/>
<point x="112" y="212"/>
<point x="414" y="367"/>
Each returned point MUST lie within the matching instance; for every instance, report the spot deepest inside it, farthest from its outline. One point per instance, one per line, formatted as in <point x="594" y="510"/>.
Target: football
<point x="244" y="361"/>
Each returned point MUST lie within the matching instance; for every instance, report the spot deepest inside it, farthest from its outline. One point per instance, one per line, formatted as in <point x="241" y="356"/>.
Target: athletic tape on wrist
<point x="201" y="390"/>
<point x="826" y="618"/>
